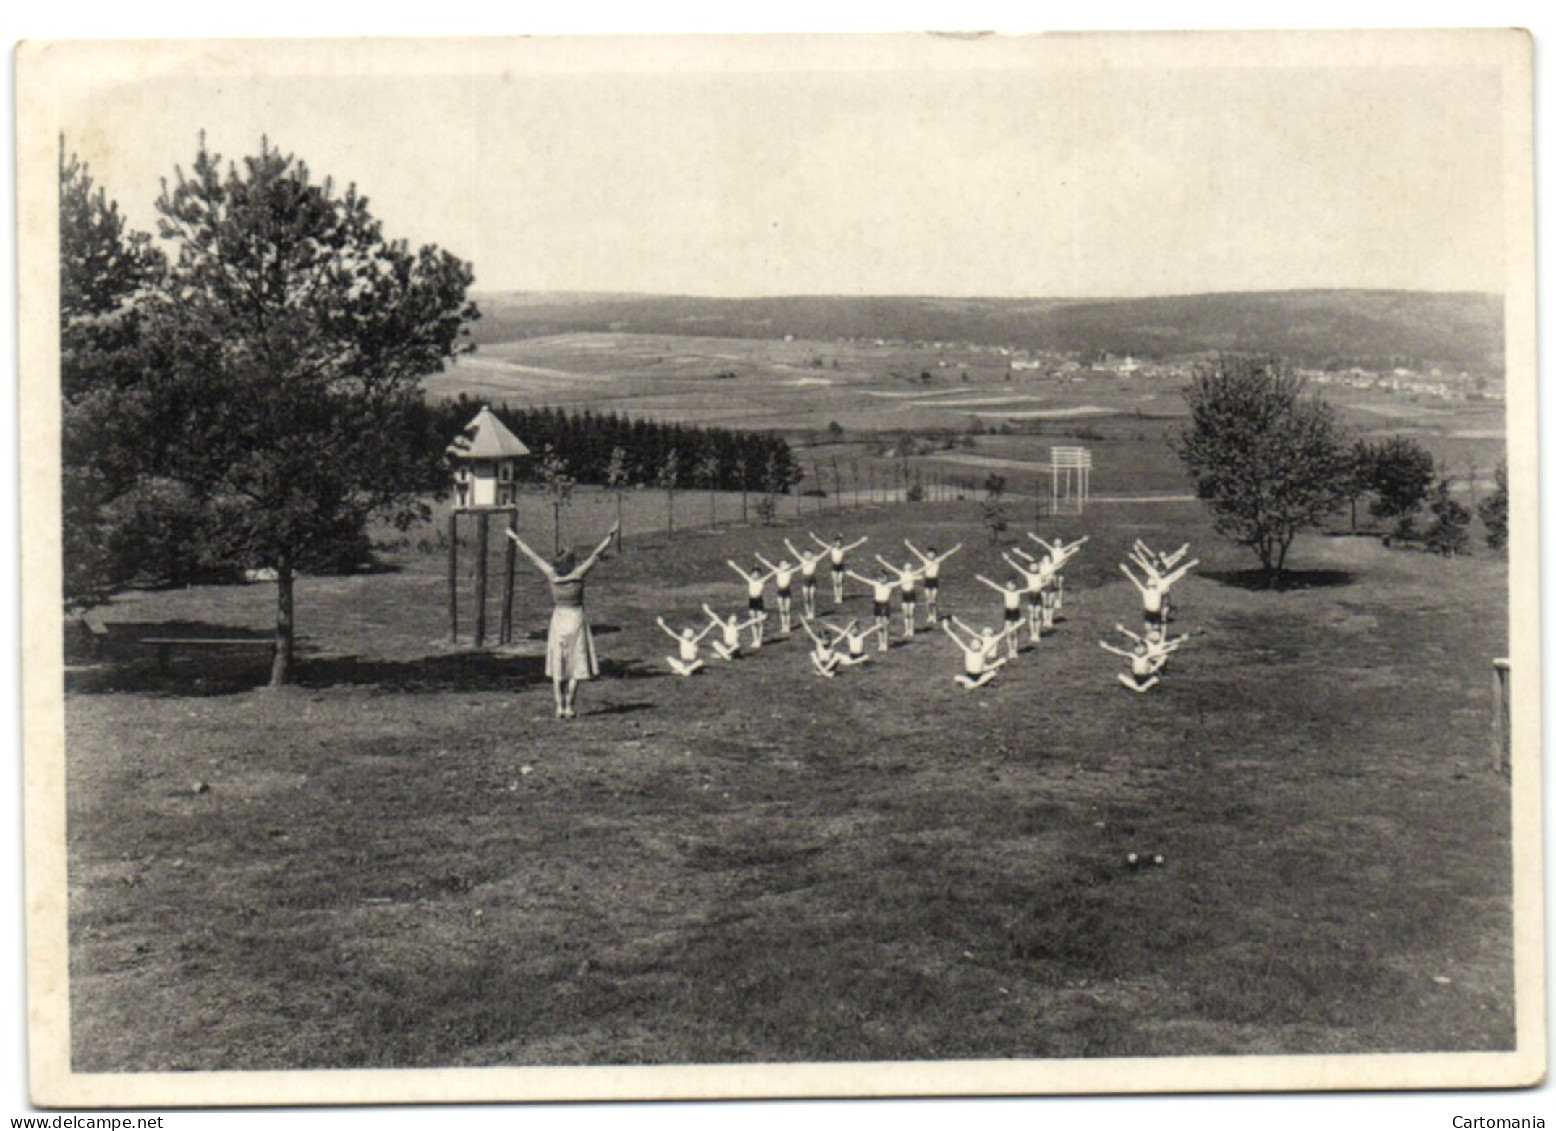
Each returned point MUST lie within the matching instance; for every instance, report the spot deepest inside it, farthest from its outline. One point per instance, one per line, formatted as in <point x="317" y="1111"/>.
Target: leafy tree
<point x="1358" y="476"/>
<point x="555" y="479"/>
<point x="669" y="478"/>
<point x="292" y="338"/>
<point x="994" y="516"/>
<point x="708" y="471"/>
<point x="1399" y="473"/>
<point x="1449" y="533"/>
<point x="1493" y="511"/>
<point x="616" y="478"/>
<point x="740" y="466"/>
<point x="1266" y="458"/>
<point x="773" y="484"/>
<point x="105" y="270"/>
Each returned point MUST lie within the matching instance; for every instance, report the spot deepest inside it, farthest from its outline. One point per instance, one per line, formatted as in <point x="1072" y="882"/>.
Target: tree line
<point x="609" y="449"/>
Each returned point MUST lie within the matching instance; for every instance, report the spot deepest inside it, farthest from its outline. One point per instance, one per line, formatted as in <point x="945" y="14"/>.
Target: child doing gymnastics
<point x="838" y="553"/>
<point x="1061" y="555"/>
<point x="931" y="561"/>
<point x="728" y="647"/>
<point x="689" y="640"/>
<point x="1141" y="675"/>
<point x="980" y="652"/>
<point x="1037" y="580"/>
<point x="808" y="563"/>
<point x="907" y="584"/>
<point x="855" y="639"/>
<point x="756" y="583"/>
<point x="1012" y="597"/>
<point x="880" y="593"/>
<point x="1154" y="590"/>
<point x="824" y="657"/>
<point x="783" y="580"/>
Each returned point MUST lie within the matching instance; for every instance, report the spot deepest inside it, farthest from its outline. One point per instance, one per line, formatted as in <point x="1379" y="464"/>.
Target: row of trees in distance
<point x="608" y="449"/>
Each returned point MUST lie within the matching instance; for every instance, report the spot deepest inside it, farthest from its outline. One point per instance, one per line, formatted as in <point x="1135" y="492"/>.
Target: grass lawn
<point x="404" y="860"/>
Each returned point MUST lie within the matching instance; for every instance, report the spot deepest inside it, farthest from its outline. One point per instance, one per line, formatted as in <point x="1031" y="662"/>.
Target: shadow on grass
<point x="594" y="629"/>
<point x="1257" y="579"/>
<point x="464" y="671"/>
<point x="622" y="708"/>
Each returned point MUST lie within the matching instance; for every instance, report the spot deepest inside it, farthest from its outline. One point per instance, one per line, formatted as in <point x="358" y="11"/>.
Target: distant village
<point x="1434" y="382"/>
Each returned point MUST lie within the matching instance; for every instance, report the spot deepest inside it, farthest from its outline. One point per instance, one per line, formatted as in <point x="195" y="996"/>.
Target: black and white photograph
<point x="744" y="567"/>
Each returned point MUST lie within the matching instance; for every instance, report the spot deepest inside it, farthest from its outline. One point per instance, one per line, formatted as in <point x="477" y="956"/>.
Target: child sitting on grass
<point x="980" y="659"/>
<point x="728" y="647"/>
<point x="689" y="640"/>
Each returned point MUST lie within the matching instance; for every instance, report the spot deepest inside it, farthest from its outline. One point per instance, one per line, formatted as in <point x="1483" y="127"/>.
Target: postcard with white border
<point x="779" y="566"/>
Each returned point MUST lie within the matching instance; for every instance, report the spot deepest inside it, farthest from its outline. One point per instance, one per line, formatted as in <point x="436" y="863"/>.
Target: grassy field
<point x="405" y="860"/>
<point x="874" y="393"/>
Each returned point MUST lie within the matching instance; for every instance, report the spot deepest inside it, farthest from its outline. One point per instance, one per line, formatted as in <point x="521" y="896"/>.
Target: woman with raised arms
<point x="570" y="656"/>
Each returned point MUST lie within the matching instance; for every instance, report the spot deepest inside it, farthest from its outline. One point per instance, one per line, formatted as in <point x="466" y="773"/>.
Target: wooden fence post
<point x="1501" y="716"/>
<point x="480" y="577"/>
<point x="453" y="577"/>
<point x="505" y="626"/>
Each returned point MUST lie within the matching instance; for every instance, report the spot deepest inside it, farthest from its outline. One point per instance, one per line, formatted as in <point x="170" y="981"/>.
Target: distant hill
<point x="1334" y="328"/>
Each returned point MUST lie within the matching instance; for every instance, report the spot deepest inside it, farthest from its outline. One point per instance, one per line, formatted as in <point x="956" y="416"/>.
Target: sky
<point x="1011" y="166"/>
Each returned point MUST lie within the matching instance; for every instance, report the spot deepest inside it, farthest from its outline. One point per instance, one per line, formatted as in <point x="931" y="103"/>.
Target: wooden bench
<point x="95" y="633"/>
<point x="165" y="644"/>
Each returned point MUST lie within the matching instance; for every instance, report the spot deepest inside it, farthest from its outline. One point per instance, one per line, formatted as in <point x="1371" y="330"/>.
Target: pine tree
<point x="1449" y="533"/>
<point x="105" y="270"/>
<point x="295" y="336"/>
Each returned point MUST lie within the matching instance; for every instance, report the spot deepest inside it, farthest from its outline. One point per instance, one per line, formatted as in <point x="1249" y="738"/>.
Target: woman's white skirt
<point x="570" y="646"/>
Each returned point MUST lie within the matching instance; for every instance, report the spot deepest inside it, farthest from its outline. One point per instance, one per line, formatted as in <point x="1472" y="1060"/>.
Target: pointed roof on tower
<point x="486" y="437"/>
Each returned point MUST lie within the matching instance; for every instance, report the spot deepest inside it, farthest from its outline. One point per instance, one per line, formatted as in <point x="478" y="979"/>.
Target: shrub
<point x="1493" y="511"/>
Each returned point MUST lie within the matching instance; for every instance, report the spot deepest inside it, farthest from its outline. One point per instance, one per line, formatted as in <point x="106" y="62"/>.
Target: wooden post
<point x="480" y="577"/>
<point x="510" y="551"/>
<point x="453" y="577"/>
<point x="1501" y="716"/>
